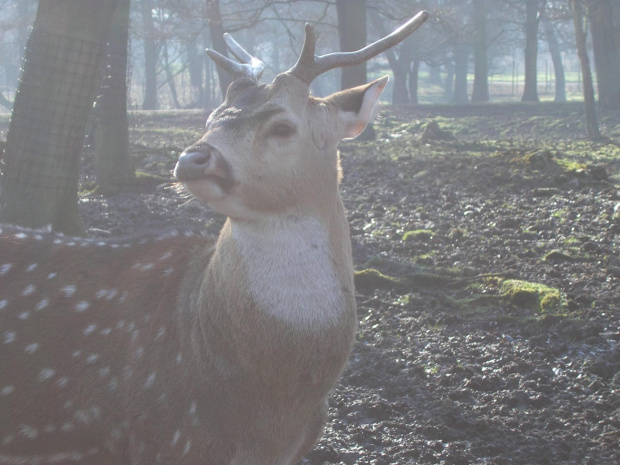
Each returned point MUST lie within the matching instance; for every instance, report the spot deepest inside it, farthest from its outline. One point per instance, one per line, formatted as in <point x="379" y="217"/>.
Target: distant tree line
<point x="85" y="53"/>
<point x="465" y="47"/>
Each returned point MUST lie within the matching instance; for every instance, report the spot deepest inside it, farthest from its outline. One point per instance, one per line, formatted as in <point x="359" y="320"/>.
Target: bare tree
<point x="606" y="56"/>
<point x="532" y="17"/>
<point x="556" y="58"/>
<point x="150" y="56"/>
<point x="480" y="92"/>
<point x="216" y="29"/>
<point x="112" y="161"/>
<point x="352" y="34"/>
<point x="588" y="88"/>
<point x="60" y="78"/>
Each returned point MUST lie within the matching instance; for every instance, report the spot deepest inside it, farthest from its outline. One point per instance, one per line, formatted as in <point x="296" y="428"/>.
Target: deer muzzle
<point x="204" y="162"/>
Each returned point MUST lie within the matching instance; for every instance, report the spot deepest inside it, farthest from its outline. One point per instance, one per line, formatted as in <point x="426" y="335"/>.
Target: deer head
<point x="272" y="148"/>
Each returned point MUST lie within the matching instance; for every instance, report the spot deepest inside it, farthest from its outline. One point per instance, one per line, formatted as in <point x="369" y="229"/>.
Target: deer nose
<point x="194" y="163"/>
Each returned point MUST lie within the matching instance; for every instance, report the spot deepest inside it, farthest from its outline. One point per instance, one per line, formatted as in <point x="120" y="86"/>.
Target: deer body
<point x="125" y="354"/>
<point x="174" y="348"/>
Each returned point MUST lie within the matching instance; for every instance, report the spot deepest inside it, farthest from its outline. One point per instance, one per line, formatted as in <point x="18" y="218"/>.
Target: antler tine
<point x="250" y="67"/>
<point x="309" y="66"/>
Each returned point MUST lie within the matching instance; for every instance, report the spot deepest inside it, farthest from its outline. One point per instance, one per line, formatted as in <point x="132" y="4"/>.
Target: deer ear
<point x="356" y="105"/>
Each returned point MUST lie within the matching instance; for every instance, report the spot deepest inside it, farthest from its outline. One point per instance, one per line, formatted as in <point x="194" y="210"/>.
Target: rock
<point x="546" y="192"/>
<point x="432" y="132"/>
<point x="558" y="256"/>
<point x="598" y="172"/>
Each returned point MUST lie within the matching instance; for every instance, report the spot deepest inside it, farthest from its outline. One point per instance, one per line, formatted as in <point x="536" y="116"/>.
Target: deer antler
<point x="250" y="67"/>
<point x="309" y="66"/>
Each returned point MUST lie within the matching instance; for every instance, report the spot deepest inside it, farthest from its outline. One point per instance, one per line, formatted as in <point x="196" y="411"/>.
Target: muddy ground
<point x="489" y="332"/>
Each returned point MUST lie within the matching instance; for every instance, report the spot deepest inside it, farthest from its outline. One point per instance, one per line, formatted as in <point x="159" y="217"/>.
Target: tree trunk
<point x="413" y="82"/>
<point x="556" y="57"/>
<point x="217" y="39"/>
<point x="352" y="34"/>
<point x="399" y="66"/>
<point x="448" y="84"/>
<point x="480" y="91"/>
<point x="170" y="76"/>
<point x="112" y="161"/>
<point x="606" y="57"/>
<point x="196" y="70"/>
<point x="150" y="56"/>
<point x="530" y="87"/>
<point x="61" y="72"/>
<point x="461" y="58"/>
<point x="588" y="89"/>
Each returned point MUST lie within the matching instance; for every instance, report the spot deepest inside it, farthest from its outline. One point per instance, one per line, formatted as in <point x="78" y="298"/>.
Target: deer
<point x="173" y="347"/>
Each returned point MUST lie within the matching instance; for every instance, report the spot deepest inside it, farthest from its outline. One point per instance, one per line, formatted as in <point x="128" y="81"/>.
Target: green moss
<point x="420" y="235"/>
<point x="147" y="179"/>
<point x="558" y="256"/>
<point x="524" y="294"/>
<point x="371" y="279"/>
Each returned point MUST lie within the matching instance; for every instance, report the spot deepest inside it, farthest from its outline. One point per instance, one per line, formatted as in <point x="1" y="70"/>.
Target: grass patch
<point x="418" y="235"/>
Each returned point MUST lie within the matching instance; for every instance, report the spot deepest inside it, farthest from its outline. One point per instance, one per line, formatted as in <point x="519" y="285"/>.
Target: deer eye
<point x="282" y="130"/>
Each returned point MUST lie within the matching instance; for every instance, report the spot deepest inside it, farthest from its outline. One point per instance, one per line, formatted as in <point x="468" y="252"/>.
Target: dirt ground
<point x="489" y="285"/>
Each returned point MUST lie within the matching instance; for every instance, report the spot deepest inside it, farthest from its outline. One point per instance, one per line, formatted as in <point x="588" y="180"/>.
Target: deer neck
<point x="297" y="267"/>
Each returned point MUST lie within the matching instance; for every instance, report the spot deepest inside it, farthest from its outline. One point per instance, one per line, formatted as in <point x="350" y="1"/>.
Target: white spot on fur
<point x="31" y="348"/>
<point x="68" y="291"/>
<point x="42" y="304"/>
<point x="62" y="382"/>
<point x="28" y="432"/>
<point x="111" y="294"/>
<point x="89" y="330"/>
<point x="6" y="390"/>
<point x="52" y="275"/>
<point x="92" y="358"/>
<point x="4" y="269"/>
<point x="23" y="315"/>
<point x="3" y="304"/>
<point x="9" y="337"/>
<point x="46" y="374"/>
<point x="64" y="457"/>
<point x="29" y="290"/>
<point x="150" y="381"/>
<point x="103" y="372"/>
<point x="188" y="446"/>
<point x="175" y="437"/>
<point x="31" y="267"/>
<point x="67" y="427"/>
<point x="81" y="306"/>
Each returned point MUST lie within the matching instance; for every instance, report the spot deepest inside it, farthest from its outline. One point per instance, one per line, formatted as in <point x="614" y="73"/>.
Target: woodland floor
<point x="490" y="332"/>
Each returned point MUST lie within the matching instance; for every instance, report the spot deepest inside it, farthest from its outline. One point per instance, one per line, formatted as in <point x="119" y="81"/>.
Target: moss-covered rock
<point x="536" y="296"/>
